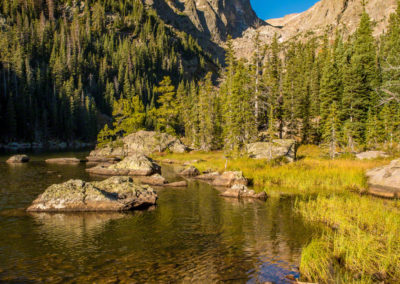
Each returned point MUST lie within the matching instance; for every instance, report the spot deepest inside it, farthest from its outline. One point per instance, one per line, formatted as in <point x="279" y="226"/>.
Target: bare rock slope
<point x="324" y="16"/>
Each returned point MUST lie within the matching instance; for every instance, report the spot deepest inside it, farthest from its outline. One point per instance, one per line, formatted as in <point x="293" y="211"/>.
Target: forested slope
<point x="62" y="63"/>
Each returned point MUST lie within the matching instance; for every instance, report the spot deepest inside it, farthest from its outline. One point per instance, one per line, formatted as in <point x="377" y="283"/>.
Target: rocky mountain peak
<point x="209" y="21"/>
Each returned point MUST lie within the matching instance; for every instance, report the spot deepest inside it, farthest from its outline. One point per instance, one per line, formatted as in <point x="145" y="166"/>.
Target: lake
<point x="192" y="236"/>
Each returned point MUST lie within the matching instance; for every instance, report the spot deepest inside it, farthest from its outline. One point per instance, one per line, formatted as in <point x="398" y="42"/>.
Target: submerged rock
<point x="64" y="161"/>
<point x="136" y="165"/>
<point x="190" y="172"/>
<point x="177" y="184"/>
<point x="385" y="181"/>
<point x="228" y="179"/>
<point x="113" y="194"/>
<point x="241" y="191"/>
<point x="18" y="159"/>
<point x="279" y="148"/>
<point x="371" y="155"/>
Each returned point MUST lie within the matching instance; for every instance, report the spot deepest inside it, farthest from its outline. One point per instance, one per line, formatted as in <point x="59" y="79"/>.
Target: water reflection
<point x="193" y="235"/>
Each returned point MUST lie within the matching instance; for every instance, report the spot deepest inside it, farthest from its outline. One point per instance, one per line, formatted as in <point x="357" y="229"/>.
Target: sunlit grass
<point x="311" y="174"/>
<point x="362" y="244"/>
<point x="360" y="239"/>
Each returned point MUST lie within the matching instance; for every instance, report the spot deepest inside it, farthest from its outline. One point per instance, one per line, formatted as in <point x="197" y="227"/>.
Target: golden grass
<point x="362" y="244"/>
<point x="310" y="175"/>
<point x="360" y="240"/>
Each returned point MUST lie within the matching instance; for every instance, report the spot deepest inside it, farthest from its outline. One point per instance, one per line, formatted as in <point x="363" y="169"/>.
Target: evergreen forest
<point x="68" y="67"/>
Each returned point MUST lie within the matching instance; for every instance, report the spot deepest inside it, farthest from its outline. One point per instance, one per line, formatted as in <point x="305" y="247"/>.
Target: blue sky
<point x="268" y="9"/>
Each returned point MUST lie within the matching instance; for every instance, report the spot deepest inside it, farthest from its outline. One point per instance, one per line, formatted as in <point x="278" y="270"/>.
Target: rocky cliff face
<point x="209" y="21"/>
<point x="331" y="14"/>
<point x="325" y="16"/>
<point x="212" y="21"/>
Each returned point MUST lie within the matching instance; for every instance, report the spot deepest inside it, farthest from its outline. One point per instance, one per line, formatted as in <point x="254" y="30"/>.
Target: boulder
<point x="114" y="194"/>
<point x="241" y="191"/>
<point x="209" y="176"/>
<point x="101" y="160"/>
<point x="385" y="181"/>
<point x="371" y="155"/>
<point x="147" y="142"/>
<point x="156" y="180"/>
<point x="190" y="172"/>
<point x="107" y="154"/>
<point x="135" y="165"/>
<point x="228" y="179"/>
<point x="18" y="159"/>
<point x="177" y="184"/>
<point x="63" y="161"/>
<point x="141" y="142"/>
<point x="279" y="148"/>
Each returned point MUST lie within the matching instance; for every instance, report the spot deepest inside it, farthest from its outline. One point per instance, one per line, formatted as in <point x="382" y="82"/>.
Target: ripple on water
<point x="193" y="235"/>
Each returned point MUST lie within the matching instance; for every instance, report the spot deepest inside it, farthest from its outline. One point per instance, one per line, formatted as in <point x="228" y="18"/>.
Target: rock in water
<point x="241" y="191"/>
<point x="228" y="179"/>
<point x="114" y="194"/>
<point x="177" y="184"/>
<point x="385" y="181"/>
<point x="273" y="150"/>
<point x="156" y="180"/>
<point x="190" y="172"/>
<point x="135" y="165"/>
<point x="209" y="176"/>
<point x="371" y="155"/>
<point x="63" y="161"/>
<point x="18" y="159"/>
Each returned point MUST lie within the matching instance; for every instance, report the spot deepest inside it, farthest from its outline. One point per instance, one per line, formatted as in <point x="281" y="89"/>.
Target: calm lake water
<point x="193" y="235"/>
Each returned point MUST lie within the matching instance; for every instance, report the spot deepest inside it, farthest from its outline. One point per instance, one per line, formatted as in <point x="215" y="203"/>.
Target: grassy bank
<point x="360" y="240"/>
<point x="361" y="243"/>
<point x="310" y="175"/>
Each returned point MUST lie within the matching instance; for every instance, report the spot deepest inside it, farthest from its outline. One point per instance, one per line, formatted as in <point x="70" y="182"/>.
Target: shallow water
<point x="193" y="235"/>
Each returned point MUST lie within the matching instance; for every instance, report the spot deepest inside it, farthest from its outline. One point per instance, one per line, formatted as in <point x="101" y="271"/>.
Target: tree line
<point x="64" y="64"/>
<point x="336" y="92"/>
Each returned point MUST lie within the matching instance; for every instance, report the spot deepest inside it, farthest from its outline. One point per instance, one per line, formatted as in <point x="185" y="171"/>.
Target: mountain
<point x="324" y="16"/>
<point x="209" y="21"/>
<point x="332" y="14"/>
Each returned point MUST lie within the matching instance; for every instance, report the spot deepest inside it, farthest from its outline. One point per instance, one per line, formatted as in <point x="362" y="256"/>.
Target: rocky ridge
<point x="324" y="16"/>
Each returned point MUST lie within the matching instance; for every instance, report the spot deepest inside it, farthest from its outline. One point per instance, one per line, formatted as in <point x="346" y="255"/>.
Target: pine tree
<point x="331" y="130"/>
<point x="167" y="113"/>
<point x="359" y="81"/>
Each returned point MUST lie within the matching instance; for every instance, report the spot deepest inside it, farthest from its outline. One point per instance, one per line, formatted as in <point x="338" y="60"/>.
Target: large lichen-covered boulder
<point x="371" y="155"/>
<point x="135" y="165"/>
<point x="107" y="154"/>
<point x="385" y="181"/>
<point x="229" y="179"/>
<point x="18" y="159"/>
<point x="142" y="142"/>
<point x="279" y="148"/>
<point x="114" y="194"/>
<point x="147" y="142"/>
